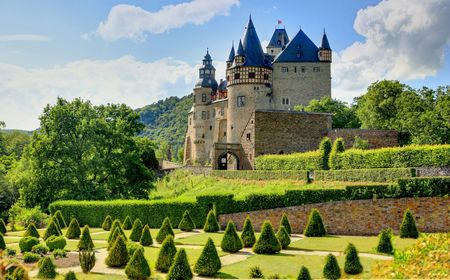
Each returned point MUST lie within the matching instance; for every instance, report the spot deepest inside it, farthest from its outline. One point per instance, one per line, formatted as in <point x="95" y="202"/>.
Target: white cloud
<point x="128" y="21"/>
<point x="404" y="39"/>
<point x="23" y="37"/>
<point x="24" y="91"/>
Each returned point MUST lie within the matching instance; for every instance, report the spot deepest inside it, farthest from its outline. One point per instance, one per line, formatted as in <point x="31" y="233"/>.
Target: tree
<point x="331" y="269"/>
<point x="304" y="274"/>
<point x="118" y="254"/>
<point x="267" y="242"/>
<point x="186" y="223"/>
<point x="180" y="269"/>
<point x="32" y="231"/>
<point x="285" y="222"/>
<point x="74" y="231"/>
<point x="47" y="268"/>
<point x="127" y="223"/>
<point x="86" y="258"/>
<point x="352" y="263"/>
<point x="231" y="242"/>
<point x="283" y="237"/>
<point x="315" y="226"/>
<point x="148" y="156"/>
<point x="136" y="231"/>
<point x="209" y="262"/>
<point x="166" y="229"/>
<point x="385" y="242"/>
<point x="85" y="242"/>
<point x="211" y="224"/>
<point x="248" y="233"/>
<point x="408" y="227"/>
<point x="146" y="237"/>
<point x="107" y="222"/>
<point x="166" y="254"/>
<point x="2" y="227"/>
<point x="138" y="268"/>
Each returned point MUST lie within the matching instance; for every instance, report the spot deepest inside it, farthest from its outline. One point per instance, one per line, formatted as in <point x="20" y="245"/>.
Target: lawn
<point x="105" y="234"/>
<point x="200" y="239"/>
<point x="95" y="276"/>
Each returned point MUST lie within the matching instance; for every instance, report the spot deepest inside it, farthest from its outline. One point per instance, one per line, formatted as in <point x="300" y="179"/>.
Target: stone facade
<point x="367" y="217"/>
<point x="376" y="138"/>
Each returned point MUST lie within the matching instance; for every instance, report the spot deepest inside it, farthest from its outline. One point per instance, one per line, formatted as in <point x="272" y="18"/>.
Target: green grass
<point x="72" y="244"/>
<point x="105" y="234"/>
<point x="200" y="239"/>
<point x="94" y="276"/>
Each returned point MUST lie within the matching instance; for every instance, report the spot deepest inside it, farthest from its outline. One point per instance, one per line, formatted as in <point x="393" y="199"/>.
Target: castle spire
<point x="240" y="51"/>
<point x="252" y="46"/>
<point x="231" y="56"/>
<point x="325" y="45"/>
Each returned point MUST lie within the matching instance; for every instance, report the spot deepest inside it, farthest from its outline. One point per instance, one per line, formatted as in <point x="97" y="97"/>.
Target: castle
<point x="250" y="113"/>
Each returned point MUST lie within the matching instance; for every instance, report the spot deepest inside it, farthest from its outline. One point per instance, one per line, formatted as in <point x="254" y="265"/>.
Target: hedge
<point x="364" y="175"/>
<point x="298" y="161"/>
<point x="154" y="212"/>
<point x="261" y="174"/>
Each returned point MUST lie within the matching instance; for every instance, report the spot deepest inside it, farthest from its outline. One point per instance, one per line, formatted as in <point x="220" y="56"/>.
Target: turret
<point x="240" y="55"/>
<point x="207" y="83"/>
<point x="231" y="57"/>
<point x="325" y="50"/>
<point x="278" y="42"/>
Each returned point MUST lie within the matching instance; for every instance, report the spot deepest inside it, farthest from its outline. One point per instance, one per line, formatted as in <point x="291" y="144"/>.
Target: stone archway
<point x="228" y="156"/>
<point x="228" y="161"/>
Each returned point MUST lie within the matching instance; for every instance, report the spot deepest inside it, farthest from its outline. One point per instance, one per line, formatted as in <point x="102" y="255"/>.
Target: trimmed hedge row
<point x="154" y="212"/>
<point x="364" y="175"/>
<point x="261" y="174"/>
<point x="298" y="161"/>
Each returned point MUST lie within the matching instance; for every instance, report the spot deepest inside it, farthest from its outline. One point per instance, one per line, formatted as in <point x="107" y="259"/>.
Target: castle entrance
<point x="228" y="161"/>
<point x="228" y="156"/>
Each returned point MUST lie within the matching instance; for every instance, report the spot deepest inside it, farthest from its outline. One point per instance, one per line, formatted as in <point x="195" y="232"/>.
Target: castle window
<point x="190" y="121"/>
<point x="241" y="101"/>
<point x="316" y="69"/>
<point x="251" y="75"/>
<point x="285" y="101"/>
<point x="204" y="97"/>
<point x="222" y="111"/>
<point x="203" y="115"/>
<point x="271" y="51"/>
<point x="295" y="69"/>
<point x="237" y="76"/>
<point x="284" y="69"/>
<point x="303" y="69"/>
<point x="266" y="76"/>
<point x="248" y="136"/>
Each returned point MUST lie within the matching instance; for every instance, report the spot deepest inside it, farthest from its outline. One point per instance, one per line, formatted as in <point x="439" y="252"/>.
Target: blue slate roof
<point x="299" y="49"/>
<point x="279" y="38"/>
<point x="240" y="51"/>
<point x="325" y="44"/>
<point x="231" y="56"/>
<point x="254" y="54"/>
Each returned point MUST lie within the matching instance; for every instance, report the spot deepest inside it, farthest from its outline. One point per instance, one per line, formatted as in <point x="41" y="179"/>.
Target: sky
<point x="137" y="52"/>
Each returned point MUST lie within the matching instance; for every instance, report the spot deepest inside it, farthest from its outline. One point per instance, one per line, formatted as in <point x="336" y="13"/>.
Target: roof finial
<point x="207" y="50"/>
<point x="300" y="27"/>
<point x="324" y="30"/>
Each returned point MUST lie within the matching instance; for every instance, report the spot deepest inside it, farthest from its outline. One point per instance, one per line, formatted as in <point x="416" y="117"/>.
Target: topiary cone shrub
<point x="211" y="224"/>
<point x="136" y="231"/>
<point x="146" y="237"/>
<point x="331" y="269"/>
<point x="408" y="227"/>
<point x="285" y="222"/>
<point x="325" y="150"/>
<point x="267" y="242"/>
<point x="166" y="254"/>
<point x="315" y="226"/>
<point x="352" y="263"/>
<point x="231" y="242"/>
<point x="20" y="273"/>
<point x="52" y="229"/>
<point x="186" y="223"/>
<point x="209" y="262"/>
<point x="138" y="268"/>
<point x="85" y="242"/>
<point x="87" y="260"/>
<point x="107" y="222"/>
<point x="70" y="276"/>
<point x="59" y="217"/>
<point x="116" y="223"/>
<point x="304" y="274"/>
<point x="385" y="242"/>
<point x="116" y="231"/>
<point x="46" y="268"/>
<point x="118" y="254"/>
<point x="2" y="227"/>
<point x="283" y="237"/>
<point x="166" y="229"/>
<point x="2" y="243"/>
<point x="32" y="231"/>
<point x="338" y="147"/>
<point x="74" y="231"/>
<point x="248" y="233"/>
<point x="127" y="223"/>
<point x="180" y="269"/>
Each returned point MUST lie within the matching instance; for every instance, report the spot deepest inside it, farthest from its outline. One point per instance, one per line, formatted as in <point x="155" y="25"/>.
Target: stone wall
<point x="432" y="171"/>
<point x="357" y="217"/>
<point x="377" y="138"/>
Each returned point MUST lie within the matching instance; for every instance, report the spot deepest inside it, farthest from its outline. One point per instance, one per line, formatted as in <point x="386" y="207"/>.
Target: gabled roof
<point x="279" y="38"/>
<point x="325" y="45"/>
<point x="254" y="54"/>
<point x="231" y="56"/>
<point x="299" y="49"/>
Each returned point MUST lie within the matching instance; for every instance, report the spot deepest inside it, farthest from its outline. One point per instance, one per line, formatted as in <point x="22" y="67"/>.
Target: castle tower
<point x="325" y="50"/>
<point x="278" y="42"/>
<point x="231" y="57"/>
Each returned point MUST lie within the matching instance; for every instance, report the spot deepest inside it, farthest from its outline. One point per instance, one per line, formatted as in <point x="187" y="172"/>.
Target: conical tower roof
<point x="325" y="44"/>
<point x="254" y="54"/>
<point x="231" y="56"/>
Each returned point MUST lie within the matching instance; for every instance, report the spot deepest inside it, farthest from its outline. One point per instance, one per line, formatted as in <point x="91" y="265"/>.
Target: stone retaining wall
<point x="357" y="217"/>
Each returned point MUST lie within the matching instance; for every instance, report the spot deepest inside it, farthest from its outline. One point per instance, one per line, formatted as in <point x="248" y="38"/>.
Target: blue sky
<point x="137" y="52"/>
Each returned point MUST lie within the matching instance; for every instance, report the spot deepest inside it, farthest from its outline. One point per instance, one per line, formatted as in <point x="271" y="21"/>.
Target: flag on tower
<point x="280" y="21"/>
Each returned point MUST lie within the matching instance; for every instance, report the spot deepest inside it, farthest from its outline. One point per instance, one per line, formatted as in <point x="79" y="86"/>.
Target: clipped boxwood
<point x="56" y="242"/>
<point x="146" y="237"/>
<point x="26" y="243"/>
<point x="352" y="263"/>
<point x="138" y="268"/>
<point x="32" y="231"/>
<point x="40" y="249"/>
<point x="47" y="268"/>
<point x="297" y="161"/>
<point x="231" y="242"/>
<point x="186" y="223"/>
<point x="385" y="242"/>
<point x="209" y="262"/>
<point x="283" y="237"/>
<point x="298" y="175"/>
<point x="29" y="257"/>
<point x="331" y="270"/>
<point x="52" y="229"/>
<point x="118" y="254"/>
<point x="107" y="222"/>
<point x="166" y="229"/>
<point x="315" y="226"/>
<point x="248" y="233"/>
<point x="408" y="227"/>
<point x="127" y="223"/>
<point x="211" y="224"/>
<point x="85" y="242"/>
<point x="364" y="175"/>
<point x="166" y="254"/>
<point x="59" y="217"/>
<point x="267" y="242"/>
<point x="136" y="231"/>
<point x="180" y="268"/>
<point x="70" y="276"/>
<point x="74" y="231"/>
<point x="285" y="222"/>
<point x="304" y="274"/>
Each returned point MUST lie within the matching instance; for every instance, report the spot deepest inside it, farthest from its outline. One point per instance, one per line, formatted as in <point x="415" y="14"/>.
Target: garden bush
<point x="59" y="217"/>
<point x="40" y="249"/>
<point x="248" y="233"/>
<point x="70" y="276"/>
<point x="209" y="262"/>
<point x="116" y="231"/>
<point x="166" y="229"/>
<point x="136" y="231"/>
<point x="24" y="216"/>
<point x="2" y="227"/>
<point x="47" y="268"/>
<point x="132" y="247"/>
<point x="256" y="273"/>
<point x="352" y="263"/>
<point x="180" y="269"/>
<point x="325" y="150"/>
<point x="10" y="252"/>
<point x="364" y="175"/>
<point x="315" y="226"/>
<point x="267" y="242"/>
<point x="331" y="269"/>
<point x="304" y="274"/>
<point x="166" y="254"/>
<point x="138" y="268"/>
<point x="85" y="242"/>
<point x="186" y="223"/>
<point x="408" y="227"/>
<point x="56" y="242"/>
<point x="285" y="222"/>
<point x="118" y="254"/>
<point x="2" y="243"/>
<point x="231" y="242"/>
<point x="107" y="222"/>
<point x="127" y="223"/>
<point x="59" y="253"/>
<point x="283" y="237"/>
<point x="298" y="161"/>
<point x="32" y="231"/>
<point x="146" y="236"/>
<point x="298" y="175"/>
<point x="211" y="224"/>
<point x="74" y="231"/>
<point x="86" y="258"/>
<point x="30" y="257"/>
<point x="385" y="242"/>
<point x="26" y="243"/>
<point x="52" y="229"/>
<point x="116" y="224"/>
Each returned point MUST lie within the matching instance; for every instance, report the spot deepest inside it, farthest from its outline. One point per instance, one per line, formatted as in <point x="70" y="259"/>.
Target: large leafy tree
<point x="84" y="151"/>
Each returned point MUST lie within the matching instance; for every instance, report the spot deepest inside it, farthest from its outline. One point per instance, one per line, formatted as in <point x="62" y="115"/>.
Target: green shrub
<point x="231" y="242"/>
<point x="86" y="258"/>
<point x="70" y="276"/>
<point x="285" y="222"/>
<point x="47" y="268"/>
<point x="211" y="224"/>
<point x="85" y="242"/>
<point x="107" y="222"/>
<point x="166" y="229"/>
<point x="26" y="243"/>
<point x="138" y="268"/>
<point x="186" y="223"/>
<point x="166" y="254"/>
<point x="298" y="161"/>
<point x="2" y="227"/>
<point x="209" y="262"/>
<point x="283" y="237"/>
<point x="248" y="233"/>
<point x="59" y="253"/>
<point x="304" y="274"/>
<point x="421" y="187"/>
<point x="385" y="242"/>
<point x="116" y="231"/>
<point x="74" y="231"/>
<point x="180" y="269"/>
<point x="115" y="224"/>
<point x="40" y="249"/>
<point x="56" y="242"/>
<point x="127" y="223"/>
<point x="146" y="236"/>
<point x="298" y="175"/>
<point x="136" y="231"/>
<point x="364" y="175"/>
<point x="59" y="217"/>
<point x="408" y="227"/>
<point x="30" y="257"/>
<point x="19" y="273"/>
<point x="331" y="269"/>
<point x="132" y="247"/>
<point x="10" y="252"/>
<point x="118" y="254"/>
<point x="352" y="263"/>
<point x="52" y="229"/>
<point x="256" y="273"/>
<point x="32" y="231"/>
<point x="325" y="150"/>
<point x="2" y="243"/>
<point x="25" y="216"/>
<point x="267" y="242"/>
<point x="315" y="226"/>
